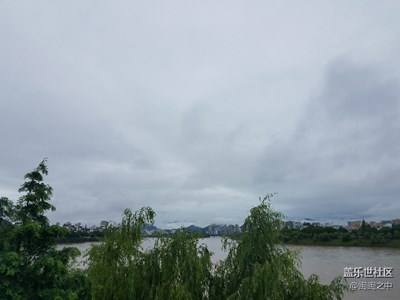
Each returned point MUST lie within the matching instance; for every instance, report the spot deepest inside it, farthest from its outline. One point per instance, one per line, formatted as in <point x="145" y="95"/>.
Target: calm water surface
<point x="326" y="262"/>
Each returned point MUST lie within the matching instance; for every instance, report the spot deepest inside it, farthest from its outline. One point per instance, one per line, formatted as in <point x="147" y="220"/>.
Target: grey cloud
<point x="198" y="109"/>
<point x="345" y="149"/>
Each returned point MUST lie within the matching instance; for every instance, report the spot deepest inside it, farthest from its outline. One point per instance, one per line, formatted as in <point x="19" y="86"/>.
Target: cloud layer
<point x="198" y="109"/>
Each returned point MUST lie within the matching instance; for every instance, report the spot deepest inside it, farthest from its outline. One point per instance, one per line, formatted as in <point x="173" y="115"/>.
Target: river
<point x="329" y="262"/>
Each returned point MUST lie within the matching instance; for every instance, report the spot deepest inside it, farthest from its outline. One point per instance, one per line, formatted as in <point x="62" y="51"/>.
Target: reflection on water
<point x="326" y="262"/>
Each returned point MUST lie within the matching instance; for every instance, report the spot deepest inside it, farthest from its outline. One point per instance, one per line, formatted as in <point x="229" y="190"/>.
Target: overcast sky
<point x="197" y="108"/>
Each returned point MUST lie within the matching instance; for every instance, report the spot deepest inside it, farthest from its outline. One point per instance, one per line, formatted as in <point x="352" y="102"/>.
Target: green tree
<point x="6" y="210"/>
<point x="36" y="200"/>
<point x="114" y="264"/>
<point x="6" y="227"/>
<point x="177" y="268"/>
<point x="258" y="266"/>
<point x="30" y="265"/>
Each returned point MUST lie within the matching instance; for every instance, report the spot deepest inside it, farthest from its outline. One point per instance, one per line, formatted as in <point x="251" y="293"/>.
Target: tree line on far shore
<point x="363" y="236"/>
<point x="258" y="265"/>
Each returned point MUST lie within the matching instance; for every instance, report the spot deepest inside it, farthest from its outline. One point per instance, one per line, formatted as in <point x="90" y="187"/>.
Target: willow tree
<point x="258" y="266"/>
<point x="114" y="265"/>
<point x="177" y="268"/>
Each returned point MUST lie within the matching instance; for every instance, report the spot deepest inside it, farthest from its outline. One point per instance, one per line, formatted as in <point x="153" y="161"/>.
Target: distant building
<point x="354" y="225"/>
<point x="93" y="228"/>
<point x="289" y="224"/>
<point x="293" y="225"/>
<point x="396" y="222"/>
<point x="386" y="223"/>
<point x="212" y="230"/>
<point x="297" y="225"/>
<point x="373" y="224"/>
<point x="337" y="226"/>
<point x="237" y="229"/>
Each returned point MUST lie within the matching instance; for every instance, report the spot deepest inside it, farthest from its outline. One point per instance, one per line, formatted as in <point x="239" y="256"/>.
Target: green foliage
<point x="6" y="226"/>
<point x="258" y="266"/>
<point x="33" y="205"/>
<point x="6" y="210"/>
<point x="113" y="266"/>
<point x="365" y="236"/>
<point x="177" y="268"/>
<point x="30" y="266"/>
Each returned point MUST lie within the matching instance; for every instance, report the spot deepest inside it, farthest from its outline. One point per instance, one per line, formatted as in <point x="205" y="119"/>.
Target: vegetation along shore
<point x="258" y="265"/>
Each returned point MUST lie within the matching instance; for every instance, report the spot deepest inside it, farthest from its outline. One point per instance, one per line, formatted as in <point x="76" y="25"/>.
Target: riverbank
<point x="304" y="242"/>
<point x="354" y="243"/>
<point x="78" y="240"/>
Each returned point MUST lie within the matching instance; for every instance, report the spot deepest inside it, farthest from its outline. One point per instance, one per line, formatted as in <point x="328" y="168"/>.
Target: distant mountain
<point x="210" y="229"/>
<point x="193" y="228"/>
<point x="148" y="227"/>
